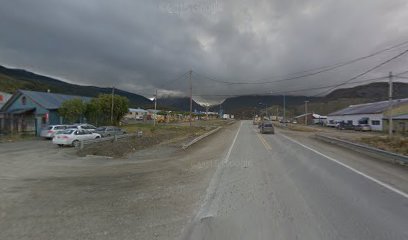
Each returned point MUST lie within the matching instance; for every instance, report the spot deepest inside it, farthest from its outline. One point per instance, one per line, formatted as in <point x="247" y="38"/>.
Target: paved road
<point x="275" y="187"/>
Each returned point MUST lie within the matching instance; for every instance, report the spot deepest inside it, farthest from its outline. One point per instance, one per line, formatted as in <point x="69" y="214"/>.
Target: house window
<point x="24" y="100"/>
<point x="375" y="122"/>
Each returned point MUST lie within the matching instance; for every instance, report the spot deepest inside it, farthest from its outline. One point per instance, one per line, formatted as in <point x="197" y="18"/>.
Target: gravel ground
<point x="51" y="193"/>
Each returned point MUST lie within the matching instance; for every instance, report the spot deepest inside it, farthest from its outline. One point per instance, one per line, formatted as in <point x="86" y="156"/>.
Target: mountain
<point x="374" y="91"/>
<point x="13" y="79"/>
<point x="178" y="104"/>
<point x="246" y="106"/>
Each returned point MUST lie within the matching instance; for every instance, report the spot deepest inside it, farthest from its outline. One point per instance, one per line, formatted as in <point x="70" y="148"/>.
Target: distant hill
<point x="178" y="104"/>
<point x="13" y="79"/>
<point x="246" y="105"/>
<point x="374" y="91"/>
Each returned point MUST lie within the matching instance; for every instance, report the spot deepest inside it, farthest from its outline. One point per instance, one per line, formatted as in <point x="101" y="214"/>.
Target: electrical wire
<point x="314" y="71"/>
<point x="365" y="72"/>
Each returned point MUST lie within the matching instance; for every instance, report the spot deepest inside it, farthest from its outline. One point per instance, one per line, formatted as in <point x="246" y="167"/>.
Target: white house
<point x="368" y="113"/>
<point x="136" y="113"/>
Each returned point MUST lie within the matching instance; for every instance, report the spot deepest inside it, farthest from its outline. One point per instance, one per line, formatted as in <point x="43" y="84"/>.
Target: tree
<point x="99" y="109"/>
<point x="93" y="112"/>
<point x="72" y="110"/>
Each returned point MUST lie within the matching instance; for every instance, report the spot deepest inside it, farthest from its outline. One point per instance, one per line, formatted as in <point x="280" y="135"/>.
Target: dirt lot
<point x="51" y="193"/>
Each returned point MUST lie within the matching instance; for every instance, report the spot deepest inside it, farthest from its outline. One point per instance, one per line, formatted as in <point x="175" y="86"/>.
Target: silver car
<point x="49" y="131"/>
<point x="267" y="127"/>
<point x="107" y="131"/>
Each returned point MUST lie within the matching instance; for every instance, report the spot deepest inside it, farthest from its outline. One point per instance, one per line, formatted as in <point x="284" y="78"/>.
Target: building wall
<point x="355" y="118"/>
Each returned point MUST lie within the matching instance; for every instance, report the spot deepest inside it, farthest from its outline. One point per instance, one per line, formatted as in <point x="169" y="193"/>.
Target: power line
<point x="288" y="91"/>
<point x="365" y="72"/>
<point x="314" y="71"/>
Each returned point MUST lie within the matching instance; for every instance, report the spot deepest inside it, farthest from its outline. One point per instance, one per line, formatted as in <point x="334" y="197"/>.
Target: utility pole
<point x="155" y="108"/>
<point x="306" y="112"/>
<point x="113" y="95"/>
<point x="191" y="96"/>
<point x="390" y="127"/>
<point x="266" y="111"/>
<point x="284" y="110"/>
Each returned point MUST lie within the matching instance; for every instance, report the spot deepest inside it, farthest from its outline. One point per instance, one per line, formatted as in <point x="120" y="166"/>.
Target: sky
<point x="140" y="46"/>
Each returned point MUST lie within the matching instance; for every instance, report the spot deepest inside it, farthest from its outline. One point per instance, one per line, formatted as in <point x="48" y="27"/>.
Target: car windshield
<point x="100" y="129"/>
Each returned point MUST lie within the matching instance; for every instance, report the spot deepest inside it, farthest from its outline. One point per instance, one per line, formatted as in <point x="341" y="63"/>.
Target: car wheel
<point x="97" y="137"/>
<point x="75" y="143"/>
<point x="60" y="145"/>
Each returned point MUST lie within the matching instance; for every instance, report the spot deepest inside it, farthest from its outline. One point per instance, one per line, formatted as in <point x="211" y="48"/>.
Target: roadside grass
<point x="397" y="144"/>
<point x="152" y="135"/>
<point x="302" y="128"/>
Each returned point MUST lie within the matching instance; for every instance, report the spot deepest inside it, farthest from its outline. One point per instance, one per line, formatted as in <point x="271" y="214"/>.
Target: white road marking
<point x="405" y="195"/>
<point x="226" y="159"/>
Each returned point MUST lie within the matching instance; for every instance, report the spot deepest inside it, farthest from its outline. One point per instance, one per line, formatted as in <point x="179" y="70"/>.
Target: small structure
<point x="372" y="114"/>
<point x="312" y="118"/>
<point x="29" y="111"/>
<point x="136" y="113"/>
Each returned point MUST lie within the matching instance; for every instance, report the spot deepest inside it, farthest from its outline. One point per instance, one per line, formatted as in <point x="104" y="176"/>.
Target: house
<point x="4" y="97"/>
<point x="372" y="114"/>
<point x="312" y="118"/>
<point x="136" y="113"/>
<point x="29" y="111"/>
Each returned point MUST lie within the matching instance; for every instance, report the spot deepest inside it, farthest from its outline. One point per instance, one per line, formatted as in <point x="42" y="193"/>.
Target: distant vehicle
<point x="49" y="131"/>
<point x="83" y="126"/>
<point x="363" y="127"/>
<point x="73" y="137"/>
<point x="331" y="123"/>
<point x="345" y="126"/>
<point x="267" y="127"/>
<point x="107" y="131"/>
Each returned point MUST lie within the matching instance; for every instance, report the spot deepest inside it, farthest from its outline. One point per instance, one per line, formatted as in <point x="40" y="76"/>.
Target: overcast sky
<point x="142" y="45"/>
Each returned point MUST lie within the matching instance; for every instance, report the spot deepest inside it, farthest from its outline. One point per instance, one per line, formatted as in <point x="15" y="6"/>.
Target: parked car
<point x="107" y="131"/>
<point x="345" y="126"/>
<point x="73" y="137"/>
<point x="83" y="126"/>
<point x="49" y="131"/>
<point x="267" y="127"/>
<point x="363" y="127"/>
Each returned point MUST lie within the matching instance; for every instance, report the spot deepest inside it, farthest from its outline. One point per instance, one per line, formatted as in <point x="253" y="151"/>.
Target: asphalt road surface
<point x="280" y="187"/>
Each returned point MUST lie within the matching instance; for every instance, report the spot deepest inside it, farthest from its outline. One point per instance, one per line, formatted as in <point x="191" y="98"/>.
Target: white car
<point x="49" y="131"/>
<point x="73" y="137"/>
<point x="84" y="126"/>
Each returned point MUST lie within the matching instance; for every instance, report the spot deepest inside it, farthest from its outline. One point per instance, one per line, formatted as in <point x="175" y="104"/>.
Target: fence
<point x="110" y="139"/>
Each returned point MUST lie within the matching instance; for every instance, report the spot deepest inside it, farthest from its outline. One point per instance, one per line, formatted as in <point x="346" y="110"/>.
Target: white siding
<point x="355" y="118"/>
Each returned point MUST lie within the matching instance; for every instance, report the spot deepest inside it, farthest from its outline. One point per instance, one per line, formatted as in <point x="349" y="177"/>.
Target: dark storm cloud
<point x="142" y="45"/>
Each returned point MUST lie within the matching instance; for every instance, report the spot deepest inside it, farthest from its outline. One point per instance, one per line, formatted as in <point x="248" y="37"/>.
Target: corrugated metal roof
<point x="51" y="100"/>
<point x="368" y="108"/>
